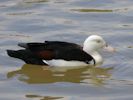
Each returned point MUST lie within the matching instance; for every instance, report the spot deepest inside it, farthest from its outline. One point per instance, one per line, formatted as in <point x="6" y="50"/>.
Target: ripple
<point x="20" y="13"/>
<point x="43" y="97"/>
<point x="35" y="1"/>
<point x="92" y="10"/>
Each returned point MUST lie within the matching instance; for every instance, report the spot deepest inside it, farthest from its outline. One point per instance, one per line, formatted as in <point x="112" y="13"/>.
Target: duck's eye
<point x="98" y="41"/>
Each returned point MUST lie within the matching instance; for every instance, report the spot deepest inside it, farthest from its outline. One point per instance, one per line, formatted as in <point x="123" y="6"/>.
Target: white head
<point x="93" y="44"/>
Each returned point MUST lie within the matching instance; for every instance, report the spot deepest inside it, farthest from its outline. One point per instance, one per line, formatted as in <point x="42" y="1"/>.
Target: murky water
<point x="67" y="20"/>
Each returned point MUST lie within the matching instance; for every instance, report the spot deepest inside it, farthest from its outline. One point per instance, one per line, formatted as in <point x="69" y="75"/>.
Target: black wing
<point x="49" y="45"/>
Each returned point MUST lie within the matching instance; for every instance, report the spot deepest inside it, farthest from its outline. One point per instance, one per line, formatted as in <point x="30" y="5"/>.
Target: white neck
<point x="94" y="53"/>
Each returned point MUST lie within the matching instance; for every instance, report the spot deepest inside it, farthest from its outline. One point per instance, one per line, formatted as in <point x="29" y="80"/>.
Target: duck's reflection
<point x="35" y="74"/>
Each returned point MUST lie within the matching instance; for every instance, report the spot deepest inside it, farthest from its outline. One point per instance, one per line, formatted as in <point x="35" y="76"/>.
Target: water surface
<point x="73" y="21"/>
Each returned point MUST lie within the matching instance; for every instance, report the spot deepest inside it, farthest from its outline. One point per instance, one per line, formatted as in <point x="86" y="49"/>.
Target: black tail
<point x="15" y="54"/>
<point x="24" y="45"/>
<point x="25" y="55"/>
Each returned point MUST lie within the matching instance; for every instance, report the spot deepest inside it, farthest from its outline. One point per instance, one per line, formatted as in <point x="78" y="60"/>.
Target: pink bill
<point x="109" y="49"/>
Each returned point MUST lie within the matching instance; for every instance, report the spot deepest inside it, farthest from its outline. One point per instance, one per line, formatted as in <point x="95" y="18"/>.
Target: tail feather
<point x="25" y="55"/>
<point x="24" y="45"/>
<point x="12" y="53"/>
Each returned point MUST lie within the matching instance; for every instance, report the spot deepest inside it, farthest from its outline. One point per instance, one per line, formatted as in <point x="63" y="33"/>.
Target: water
<point x="73" y="21"/>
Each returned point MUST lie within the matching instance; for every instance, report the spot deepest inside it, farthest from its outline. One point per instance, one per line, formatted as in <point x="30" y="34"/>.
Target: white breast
<point x="61" y="63"/>
<point x="98" y="58"/>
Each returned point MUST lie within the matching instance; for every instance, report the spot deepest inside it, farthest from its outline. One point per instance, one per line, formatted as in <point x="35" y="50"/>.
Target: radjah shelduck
<point x="59" y="54"/>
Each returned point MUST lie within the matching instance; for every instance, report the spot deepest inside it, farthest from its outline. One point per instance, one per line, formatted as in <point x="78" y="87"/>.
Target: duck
<point x="60" y="53"/>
